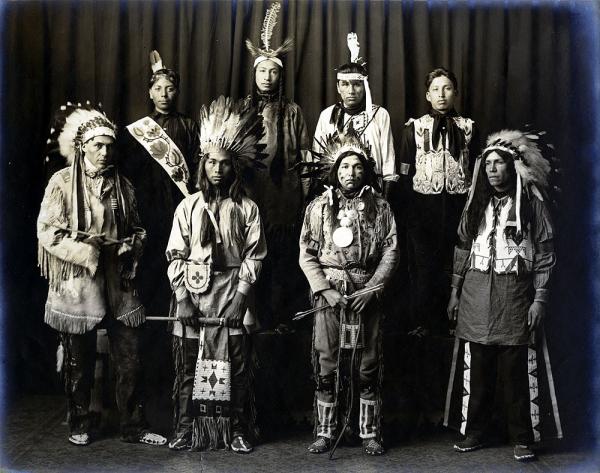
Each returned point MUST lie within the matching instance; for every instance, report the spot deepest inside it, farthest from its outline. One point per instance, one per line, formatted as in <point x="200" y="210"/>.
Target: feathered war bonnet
<point x="160" y="70"/>
<point x="236" y="129"/>
<point x="74" y="126"/>
<point x="534" y="163"/>
<point x="334" y="147"/>
<point x="233" y="127"/>
<point x="266" y="52"/>
<point x="354" y="48"/>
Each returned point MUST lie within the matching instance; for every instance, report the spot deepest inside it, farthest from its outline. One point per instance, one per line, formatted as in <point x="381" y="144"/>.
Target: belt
<point x="358" y="276"/>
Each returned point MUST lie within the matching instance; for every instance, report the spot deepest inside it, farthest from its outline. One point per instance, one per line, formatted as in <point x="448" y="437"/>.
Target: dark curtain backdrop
<point x="516" y="63"/>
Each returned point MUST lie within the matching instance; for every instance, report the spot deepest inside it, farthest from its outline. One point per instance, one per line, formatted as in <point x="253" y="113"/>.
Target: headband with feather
<point x="354" y="48"/>
<point x="534" y="163"/>
<point x="267" y="52"/>
<point x="233" y="127"/>
<point x="160" y="70"/>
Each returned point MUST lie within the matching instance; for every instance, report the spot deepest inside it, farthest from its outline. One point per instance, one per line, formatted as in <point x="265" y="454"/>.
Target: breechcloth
<point x="186" y="357"/>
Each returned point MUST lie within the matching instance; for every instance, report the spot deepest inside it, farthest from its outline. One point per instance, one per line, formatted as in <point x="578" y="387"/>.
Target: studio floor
<point x="35" y="440"/>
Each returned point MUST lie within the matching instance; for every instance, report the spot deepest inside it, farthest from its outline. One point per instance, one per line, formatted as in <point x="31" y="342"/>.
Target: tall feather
<point x="155" y="61"/>
<point x="269" y="24"/>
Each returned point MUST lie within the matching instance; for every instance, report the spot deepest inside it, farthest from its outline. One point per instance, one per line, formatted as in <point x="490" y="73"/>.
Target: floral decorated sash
<point x="163" y="150"/>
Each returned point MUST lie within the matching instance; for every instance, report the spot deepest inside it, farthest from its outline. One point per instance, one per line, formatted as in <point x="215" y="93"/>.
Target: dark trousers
<point x="239" y="353"/>
<point x="80" y="359"/>
<point x="432" y="234"/>
<point x="327" y="346"/>
<point x="507" y="365"/>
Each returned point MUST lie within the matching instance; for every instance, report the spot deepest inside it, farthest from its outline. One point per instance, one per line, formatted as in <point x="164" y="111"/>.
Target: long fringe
<point x="380" y="376"/>
<point x="211" y="433"/>
<point x="316" y="368"/>
<point x="134" y="318"/>
<point x="253" y="428"/>
<point x="177" y="350"/>
<point x="69" y="323"/>
<point x="55" y="270"/>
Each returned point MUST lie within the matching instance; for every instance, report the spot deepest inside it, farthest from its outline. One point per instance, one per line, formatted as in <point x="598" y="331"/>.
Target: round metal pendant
<point x="345" y="222"/>
<point x="351" y="214"/>
<point x="361" y="205"/>
<point x="343" y="237"/>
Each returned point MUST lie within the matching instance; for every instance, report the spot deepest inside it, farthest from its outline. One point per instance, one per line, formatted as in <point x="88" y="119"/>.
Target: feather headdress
<point x="74" y="125"/>
<point x="266" y="33"/>
<point x="332" y="148"/>
<point x="534" y="163"/>
<point x="234" y="127"/>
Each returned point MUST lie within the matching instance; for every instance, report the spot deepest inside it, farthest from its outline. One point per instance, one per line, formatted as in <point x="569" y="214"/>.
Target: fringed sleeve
<point x="255" y="248"/>
<point x="178" y="250"/>
<point x="60" y="257"/>
<point x="311" y="238"/>
<point x="545" y="257"/>
<point x="134" y="224"/>
<point x="385" y="229"/>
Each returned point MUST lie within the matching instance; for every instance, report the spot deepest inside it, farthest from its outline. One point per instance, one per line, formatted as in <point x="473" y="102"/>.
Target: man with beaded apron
<point x="348" y="244"/>
<point x="500" y="289"/>
<point x="215" y="255"/>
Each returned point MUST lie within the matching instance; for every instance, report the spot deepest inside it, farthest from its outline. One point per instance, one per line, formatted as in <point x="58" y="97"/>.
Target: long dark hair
<point x="235" y="191"/>
<point x="473" y="215"/>
<point x="370" y="179"/>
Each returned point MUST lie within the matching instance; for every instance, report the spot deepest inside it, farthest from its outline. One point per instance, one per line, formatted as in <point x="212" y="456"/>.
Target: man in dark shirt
<point x="159" y="154"/>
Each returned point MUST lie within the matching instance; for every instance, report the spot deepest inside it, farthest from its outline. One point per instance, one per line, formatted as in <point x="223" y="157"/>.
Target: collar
<point x="450" y="113"/>
<point x="157" y="115"/>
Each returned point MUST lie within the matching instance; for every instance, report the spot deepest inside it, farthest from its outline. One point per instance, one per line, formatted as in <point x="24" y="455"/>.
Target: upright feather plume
<point x="353" y="46"/>
<point x="156" y="62"/>
<point x="266" y="34"/>
<point x="269" y="24"/>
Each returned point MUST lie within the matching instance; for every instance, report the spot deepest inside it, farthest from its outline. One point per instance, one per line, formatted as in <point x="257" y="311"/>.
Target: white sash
<point x="163" y="150"/>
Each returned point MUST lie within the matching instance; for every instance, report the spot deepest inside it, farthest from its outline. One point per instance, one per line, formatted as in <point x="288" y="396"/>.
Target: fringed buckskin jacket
<point x="86" y="283"/>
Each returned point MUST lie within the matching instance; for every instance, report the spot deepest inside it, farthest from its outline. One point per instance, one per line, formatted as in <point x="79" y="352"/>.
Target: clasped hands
<point x="188" y="314"/>
<point x="358" y="303"/>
